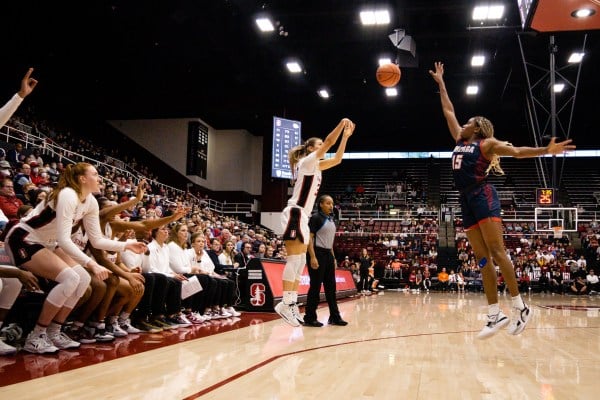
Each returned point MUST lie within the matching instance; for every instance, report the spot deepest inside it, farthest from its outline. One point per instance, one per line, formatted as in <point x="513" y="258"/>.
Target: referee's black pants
<point x="325" y="275"/>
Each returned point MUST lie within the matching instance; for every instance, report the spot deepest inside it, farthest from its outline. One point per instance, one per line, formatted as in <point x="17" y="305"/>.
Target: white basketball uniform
<point x="294" y="218"/>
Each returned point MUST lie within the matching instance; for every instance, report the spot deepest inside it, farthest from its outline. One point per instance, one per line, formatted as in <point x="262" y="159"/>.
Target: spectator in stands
<point x="426" y="280"/>
<point x="306" y="162"/>
<point x="227" y="256"/>
<point x="412" y="279"/>
<point x="14" y="155"/>
<point x="244" y="256"/>
<point x="579" y="285"/>
<point x="5" y="169"/>
<point x="227" y="285"/>
<point x="476" y="153"/>
<point x="582" y="262"/>
<point x="500" y="284"/>
<point x="9" y="203"/>
<point x="49" y="225"/>
<point x="240" y="243"/>
<point x="592" y="282"/>
<point x="22" y="178"/>
<point x="556" y="281"/>
<point x="37" y="157"/>
<point x="366" y="262"/>
<point x="443" y="280"/>
<point x="460" y="282"/>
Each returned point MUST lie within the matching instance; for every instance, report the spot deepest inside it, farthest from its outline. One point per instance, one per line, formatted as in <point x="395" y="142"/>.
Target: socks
<point x="494" y="309"/>
<point x="54" y="329"/>
<point x="38" y="330"/>
<point x="517" y="302"/>
<point x="288" y="297"/>
<point x="124" y="316"/>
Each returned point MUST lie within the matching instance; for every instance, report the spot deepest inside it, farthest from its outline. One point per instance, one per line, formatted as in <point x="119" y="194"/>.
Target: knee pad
<point x="300" y="266"/>
<point x="84" y="280"/>
<point x="289" y="272"/>
<point x="9" y="291"/>
<point x="68" y="280"/>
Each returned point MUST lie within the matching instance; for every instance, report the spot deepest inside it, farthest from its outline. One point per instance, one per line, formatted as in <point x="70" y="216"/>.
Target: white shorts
<point x="295" y="224"/>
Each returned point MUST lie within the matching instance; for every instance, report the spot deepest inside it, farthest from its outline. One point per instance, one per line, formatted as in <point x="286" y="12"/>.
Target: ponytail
<point x="69" y="178"/>
<point x="298" y="152"/>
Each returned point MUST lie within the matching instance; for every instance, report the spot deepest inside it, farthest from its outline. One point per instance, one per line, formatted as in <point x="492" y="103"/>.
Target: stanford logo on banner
<point x="257" y="294"/>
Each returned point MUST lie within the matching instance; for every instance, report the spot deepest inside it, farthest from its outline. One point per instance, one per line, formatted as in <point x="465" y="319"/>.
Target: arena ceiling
<point x="208" y="59"/>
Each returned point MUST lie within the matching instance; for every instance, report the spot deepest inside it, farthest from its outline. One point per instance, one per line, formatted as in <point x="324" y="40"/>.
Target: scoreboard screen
<point x="286" y="134"/>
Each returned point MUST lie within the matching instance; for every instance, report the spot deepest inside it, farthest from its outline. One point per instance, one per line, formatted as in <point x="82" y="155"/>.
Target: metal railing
<point x="31" y="139"/>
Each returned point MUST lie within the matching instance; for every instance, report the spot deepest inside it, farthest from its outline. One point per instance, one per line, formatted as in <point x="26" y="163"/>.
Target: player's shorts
<point x="478" y="204"/>
<point x="295" y="224"/>
<point x="19" y="249"/>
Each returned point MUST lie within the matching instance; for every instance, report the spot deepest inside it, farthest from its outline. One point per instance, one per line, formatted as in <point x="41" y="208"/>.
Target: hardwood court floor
<point x="397" y="346"/>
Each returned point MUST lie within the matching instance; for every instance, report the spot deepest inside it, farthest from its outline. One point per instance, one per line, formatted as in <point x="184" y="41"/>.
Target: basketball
<point x="388" y="75"/>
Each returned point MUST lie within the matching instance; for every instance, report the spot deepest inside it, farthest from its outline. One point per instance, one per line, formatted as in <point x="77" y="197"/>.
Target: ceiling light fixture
<point x="391" y="92"/>
<point x="384" y="61"/>
<point x="375" y="17"/>
<point x="558" y="87"/>
<point x="294" y="67"/>
<point x="323" y="93"/>
<point x="575" y="57"/>
<point x="477" y="61"/>
<point x="472" y="90"/>
<point x="492" y="12"/>
<point x="265" y="24"/>
<point x="583" y="13"/>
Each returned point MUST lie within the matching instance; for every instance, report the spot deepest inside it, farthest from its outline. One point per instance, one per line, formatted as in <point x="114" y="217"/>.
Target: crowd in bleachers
<point x="225" y="243"/>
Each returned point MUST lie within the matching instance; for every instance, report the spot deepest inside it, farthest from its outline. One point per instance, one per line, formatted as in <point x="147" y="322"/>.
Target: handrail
<point x="48" y="147"/>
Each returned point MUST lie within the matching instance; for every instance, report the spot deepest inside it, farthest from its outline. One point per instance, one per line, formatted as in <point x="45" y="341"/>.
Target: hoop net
<point x="558" y="231"/>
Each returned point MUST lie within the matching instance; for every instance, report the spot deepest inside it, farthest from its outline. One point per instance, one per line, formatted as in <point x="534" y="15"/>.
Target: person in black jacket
<point x="322" y="262"/>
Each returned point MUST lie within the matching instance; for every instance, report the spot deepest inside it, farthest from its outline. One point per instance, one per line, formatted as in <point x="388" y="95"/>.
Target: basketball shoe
<point x="520" y="319"/>
<point x="286" y="312"/>
<point x="494" y="324"/>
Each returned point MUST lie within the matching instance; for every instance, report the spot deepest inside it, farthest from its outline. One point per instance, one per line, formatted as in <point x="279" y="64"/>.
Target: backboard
<point x="547" y="218"/>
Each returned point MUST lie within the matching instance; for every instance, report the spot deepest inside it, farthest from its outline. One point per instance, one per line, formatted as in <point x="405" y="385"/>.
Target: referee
<point x="322" y="264"/>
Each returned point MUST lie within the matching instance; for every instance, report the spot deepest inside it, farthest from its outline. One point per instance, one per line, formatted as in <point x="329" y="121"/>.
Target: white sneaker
<point x="224" y="314"/>
<point x="494" y="324"/>
<point x="180" y="320"/>
<point x="195" y="318"/>
<point x="285" y="311"/>
<point x="519" y="320"/>
<point x="6" y="349"/>
<point x="115" y="329"/>
<point x="39" y="344"/>
<point x="127" y="327"/>
<point x="207" y="315"/>
<point x="62" y="341"/>
<point x="233" y="311"/>
<point x="297" y="314"/>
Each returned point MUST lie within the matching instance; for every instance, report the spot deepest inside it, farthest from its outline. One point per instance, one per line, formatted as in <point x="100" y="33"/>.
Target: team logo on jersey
<point x="257" y="294"/>
<point x="23" y="253"/>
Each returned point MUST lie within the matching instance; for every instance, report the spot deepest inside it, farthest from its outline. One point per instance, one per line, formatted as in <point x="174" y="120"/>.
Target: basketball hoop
<point x="558" y="231"/>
